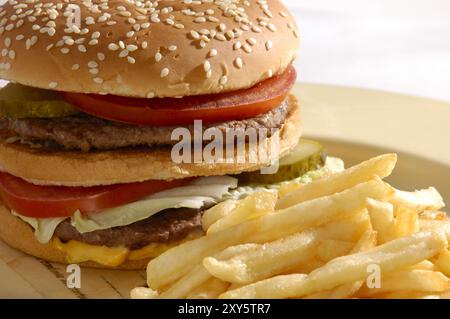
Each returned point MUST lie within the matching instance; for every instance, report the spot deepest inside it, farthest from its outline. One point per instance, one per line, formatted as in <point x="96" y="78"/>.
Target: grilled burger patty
<point x="167" y="226"/>
<point x="87" y="132"/>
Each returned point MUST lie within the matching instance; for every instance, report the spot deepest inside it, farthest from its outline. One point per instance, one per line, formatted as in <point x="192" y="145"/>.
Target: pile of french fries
<point x="346" y="235"/>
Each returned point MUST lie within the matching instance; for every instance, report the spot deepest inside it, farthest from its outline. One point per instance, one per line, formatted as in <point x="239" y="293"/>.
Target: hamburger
<point x="95" y="92"/>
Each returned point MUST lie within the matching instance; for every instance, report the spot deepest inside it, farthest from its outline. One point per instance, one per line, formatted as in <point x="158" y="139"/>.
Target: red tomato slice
<point x="57" y="201"/>
<point x="236" y="105"/>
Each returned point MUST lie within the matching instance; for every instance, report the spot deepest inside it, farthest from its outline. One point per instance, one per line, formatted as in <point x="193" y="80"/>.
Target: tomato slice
<point x="236" y="105"/>
<point x="57" y="201"/>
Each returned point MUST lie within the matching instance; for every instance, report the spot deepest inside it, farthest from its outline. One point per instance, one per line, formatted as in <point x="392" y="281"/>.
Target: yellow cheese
<point x="155" y="249"/>
<point x="77" y="252"/>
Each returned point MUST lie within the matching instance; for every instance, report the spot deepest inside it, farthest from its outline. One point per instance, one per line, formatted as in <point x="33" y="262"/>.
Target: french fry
<point x="418" y="201"/>
<point x="382" y="218"/>
<point x="198" y="276"/>
<point x="434" y="215"/>
<point x="443" y="262"/>
<point x="390" y="257"/>
<point x="367" y="241"/>
<point x="253" y="206"/>
<point x="381" y="166"/>
<point x="406" y="222"/>
<point x="178" y="261"/>
<point x="435" y="225"/>
<point x="423" y="265"/>
<point x="289" y="253"/>
<point x="409" y="280"/>
<point x="211" y="289"/>
<point x="143" y="293"/>
<point x="217" y="212"/>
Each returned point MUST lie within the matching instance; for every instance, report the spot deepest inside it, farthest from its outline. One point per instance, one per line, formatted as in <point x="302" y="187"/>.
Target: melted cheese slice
<point x="77" y="252"/>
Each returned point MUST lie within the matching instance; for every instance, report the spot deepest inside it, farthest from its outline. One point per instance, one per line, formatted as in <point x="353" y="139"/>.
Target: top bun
<point x="165" y="48"/>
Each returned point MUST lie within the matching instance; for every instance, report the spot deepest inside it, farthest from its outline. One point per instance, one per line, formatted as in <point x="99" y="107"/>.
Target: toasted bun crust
<point x="145" y="48"/>
<point x="20" y="235"/>
<point x="106" y="168"/>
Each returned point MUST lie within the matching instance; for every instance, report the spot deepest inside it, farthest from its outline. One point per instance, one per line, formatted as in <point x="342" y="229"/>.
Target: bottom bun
<point x="20" y="235"/>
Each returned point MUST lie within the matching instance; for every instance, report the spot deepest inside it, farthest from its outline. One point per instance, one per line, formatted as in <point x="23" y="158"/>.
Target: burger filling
<point x="138" y="220"/>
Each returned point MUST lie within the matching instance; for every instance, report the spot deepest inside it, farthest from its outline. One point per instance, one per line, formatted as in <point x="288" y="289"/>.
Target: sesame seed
<point x="164" y="72"/>
<point x="173" y="48"/>
<point x="158" y="57"/>
<point x="144" y="45"/>
<point x="93" y="71"/>
<point x="123" y="53"/>
<point x="131" y="60"/>
<point x="98" y="80"/>
<point x="92" y="64"/>
<point x="52" y="85"/>
<point x="75" y="67"/>
<point x="238" y="63"/>
<point x="113" y="47"/>
<point x="223" y="80"/>
<point x="151" y="95"/>
<point x="269" y="45"/>
<point x="82" y="48"/>
<point x="132" y="47"/>
<point x="212" y="53"/>
<point x="100" y="56"/>
<point x="207" y="66"/>
<point x="65" y="50"/>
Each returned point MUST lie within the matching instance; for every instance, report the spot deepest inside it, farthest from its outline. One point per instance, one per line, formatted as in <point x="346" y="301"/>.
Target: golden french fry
<point x="381" y="166"/>
<point x="211" y="289"/>
<point x="198" y="276"/>
<point x="389" y="257"/>
<point x="406" y="222"/>
<point x="367" y="241"/>
<point x="409" y="280"/>
<point x="434" y="215"/>
<point x="418" y="201"/>
<point x="217" y="212"/>
<point x="289" y="253"/>
<point x="382" y="218"/>
<point x="253" y="206"/>
<point x="423" y="265"/>
<point x="178" y="261"/>
<point x="143" y="293"/>
<point x="443" y="262"/>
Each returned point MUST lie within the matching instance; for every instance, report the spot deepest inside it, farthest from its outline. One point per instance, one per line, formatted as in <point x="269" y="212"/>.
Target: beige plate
<point x="354" y="124"/>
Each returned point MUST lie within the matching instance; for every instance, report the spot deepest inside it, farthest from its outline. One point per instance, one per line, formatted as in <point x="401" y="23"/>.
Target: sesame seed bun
<point x="71" y="168"/>
<point x="146" y="48"/>
<point x="20" y="235"/>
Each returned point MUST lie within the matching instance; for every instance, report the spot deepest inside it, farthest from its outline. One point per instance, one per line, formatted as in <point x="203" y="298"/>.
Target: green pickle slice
<point x="20" y="101"/>
<point x="308" y="155"/>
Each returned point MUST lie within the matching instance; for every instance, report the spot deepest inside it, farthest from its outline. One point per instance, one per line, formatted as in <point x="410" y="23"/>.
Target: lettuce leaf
<point x="134" y="212"/>
<point x="43" y="227"/>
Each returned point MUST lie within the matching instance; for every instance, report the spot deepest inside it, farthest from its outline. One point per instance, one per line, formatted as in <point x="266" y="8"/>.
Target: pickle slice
<point x="307" y="156"/>
<point x="20" y="101"/>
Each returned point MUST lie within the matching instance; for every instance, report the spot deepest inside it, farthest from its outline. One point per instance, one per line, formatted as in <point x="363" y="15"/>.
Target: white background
<point x="394" y="45"/>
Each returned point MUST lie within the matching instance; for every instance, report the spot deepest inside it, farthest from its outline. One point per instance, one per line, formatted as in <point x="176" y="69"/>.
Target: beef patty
<point x="85" y="132"/>
<point x="167" y="226"/>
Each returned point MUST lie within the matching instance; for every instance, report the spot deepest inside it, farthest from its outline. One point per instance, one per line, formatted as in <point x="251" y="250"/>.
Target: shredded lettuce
<point x="43" y="227"/>
<point x="134" y="212"/>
